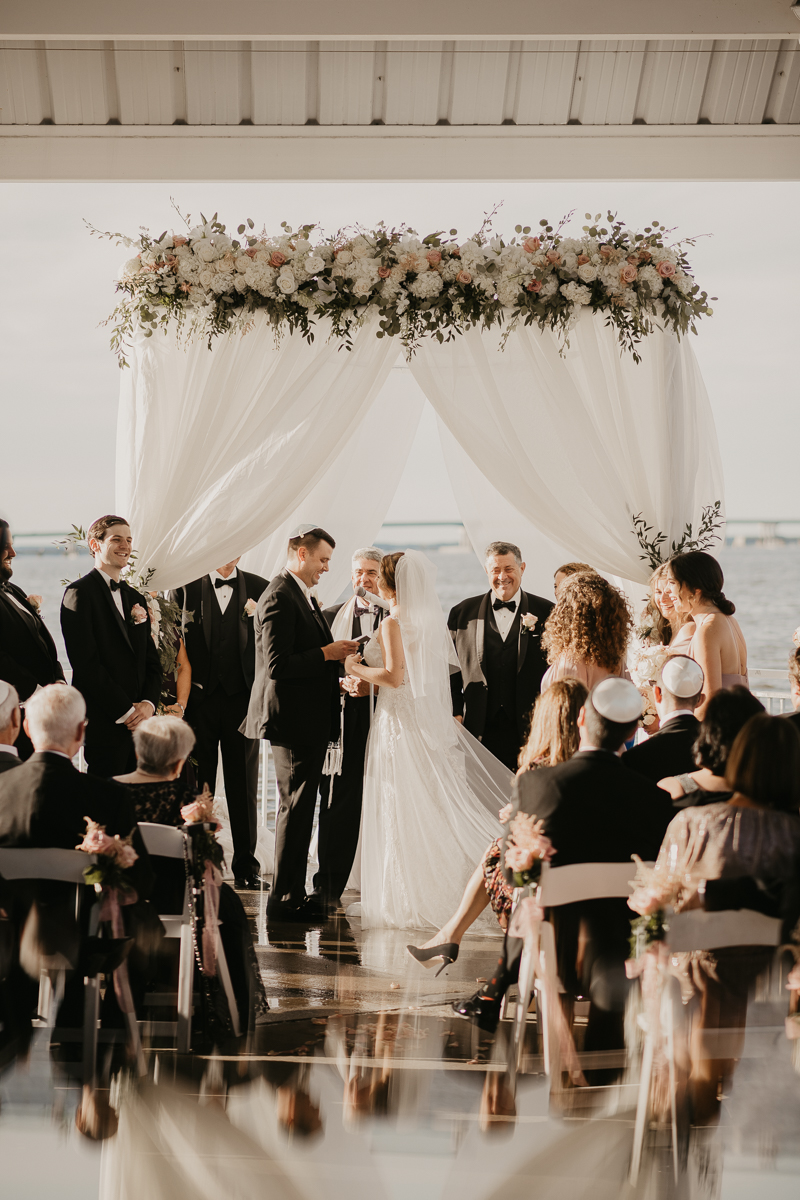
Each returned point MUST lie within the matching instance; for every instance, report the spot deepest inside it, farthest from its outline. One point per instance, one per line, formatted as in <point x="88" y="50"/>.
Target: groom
<point x="498" y="640"/>
<point x="295" y="704"/>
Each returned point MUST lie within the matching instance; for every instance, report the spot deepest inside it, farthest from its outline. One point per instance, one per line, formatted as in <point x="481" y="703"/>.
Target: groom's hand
<point x="338" y="651"/>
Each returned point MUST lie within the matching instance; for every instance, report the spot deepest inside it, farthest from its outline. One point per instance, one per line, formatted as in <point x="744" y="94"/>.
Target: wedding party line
<point x="457" y="762"/>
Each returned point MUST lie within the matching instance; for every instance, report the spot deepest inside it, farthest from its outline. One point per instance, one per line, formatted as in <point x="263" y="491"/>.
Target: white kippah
<point x="301" y="531"/>
<point x="617" y="700"/>
<point x="682" y="676"/>
<point x="5" y="690"/>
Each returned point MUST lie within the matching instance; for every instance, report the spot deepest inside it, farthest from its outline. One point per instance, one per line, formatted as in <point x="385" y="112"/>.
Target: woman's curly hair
<point x="591" y="622"/>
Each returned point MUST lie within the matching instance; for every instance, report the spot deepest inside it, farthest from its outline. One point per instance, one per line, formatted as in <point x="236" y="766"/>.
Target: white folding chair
<point x="557" y="886"/>
<point x="62" y="866"/>
<point x="688" y="931"/>
<point x="165" y="841"/>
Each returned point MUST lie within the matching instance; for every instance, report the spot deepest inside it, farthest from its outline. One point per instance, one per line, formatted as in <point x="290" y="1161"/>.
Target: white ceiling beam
<point x="636" y="152"/>
<point x="237" y="20"/>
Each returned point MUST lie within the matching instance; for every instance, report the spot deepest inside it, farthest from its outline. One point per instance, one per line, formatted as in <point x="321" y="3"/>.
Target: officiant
<point x="498" y="640"/>
<point x="340" y="795"/>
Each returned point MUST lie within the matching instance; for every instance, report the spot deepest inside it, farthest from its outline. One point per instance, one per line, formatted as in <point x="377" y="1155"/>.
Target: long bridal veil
<point x="432" y="793"/>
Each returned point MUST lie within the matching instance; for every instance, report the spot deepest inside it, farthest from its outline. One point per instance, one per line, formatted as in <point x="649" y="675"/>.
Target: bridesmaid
<point x="695" y="582"/>
<point x="669" y="627"/>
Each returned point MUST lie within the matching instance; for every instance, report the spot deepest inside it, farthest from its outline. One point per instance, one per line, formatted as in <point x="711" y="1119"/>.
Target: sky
<point x="59" y="381"/>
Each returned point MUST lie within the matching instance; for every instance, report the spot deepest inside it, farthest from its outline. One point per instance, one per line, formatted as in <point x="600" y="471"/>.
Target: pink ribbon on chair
<point x="110" y="911"/>
<point x="212" y="881"/>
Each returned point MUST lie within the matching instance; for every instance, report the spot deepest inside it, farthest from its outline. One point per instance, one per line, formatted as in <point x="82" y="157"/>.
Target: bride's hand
<point x="351" y="664"/>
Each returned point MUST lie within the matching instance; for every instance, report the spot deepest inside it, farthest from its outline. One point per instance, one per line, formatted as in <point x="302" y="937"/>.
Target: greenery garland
<point x="205" y="282"/>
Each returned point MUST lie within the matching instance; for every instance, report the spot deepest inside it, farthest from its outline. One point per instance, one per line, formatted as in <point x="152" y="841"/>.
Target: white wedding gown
<point x="431" y="791"/>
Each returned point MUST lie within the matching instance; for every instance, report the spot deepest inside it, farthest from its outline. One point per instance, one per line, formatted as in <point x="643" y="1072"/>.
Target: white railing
<point x="770" y="685"/>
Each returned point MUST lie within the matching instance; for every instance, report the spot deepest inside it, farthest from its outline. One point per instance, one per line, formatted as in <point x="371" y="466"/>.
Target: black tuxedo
<point x="295" y="704"/>
<point x="8" y="761"/>
<point x="114" y="665"/>
<point x="794" y="717"/>
<point x="341" y="795"/>
<point x="668" y="752"/>
<point x="499" y="680"/>
<point x="222" y="653"/>
<point x="28" y="656"/>
<point x="594" y="810"/>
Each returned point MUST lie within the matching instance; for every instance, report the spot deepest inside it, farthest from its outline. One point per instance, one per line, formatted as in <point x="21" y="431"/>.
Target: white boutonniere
<point x="35" y="603"/>
<point x="529" y="622"/>
<point x="138" y="615"/>
<point x="250" y="609"/>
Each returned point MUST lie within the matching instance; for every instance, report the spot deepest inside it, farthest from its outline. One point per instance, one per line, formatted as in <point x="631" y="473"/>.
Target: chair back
<point x="699" y="930"/>
<point x="585" y="881"/>
<point x="66" y="866"/>
<point x="164" y="841"/>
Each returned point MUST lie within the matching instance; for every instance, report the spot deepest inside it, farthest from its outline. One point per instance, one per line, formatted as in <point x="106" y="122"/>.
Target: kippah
<point x="302" y="530"/>
<point x="682" y="676"/>
<point x="617" y="700"/>
<point x="5" y="691"/>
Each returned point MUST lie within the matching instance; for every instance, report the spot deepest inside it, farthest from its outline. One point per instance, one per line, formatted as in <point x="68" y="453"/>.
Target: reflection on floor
<point x="360" y="1081"/>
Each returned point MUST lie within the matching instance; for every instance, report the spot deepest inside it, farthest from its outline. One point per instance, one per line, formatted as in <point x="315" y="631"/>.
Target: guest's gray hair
<point x="54" y="714"/>
<point x="371" y="553"/>
<point x="9" y="702"/>
<point x="161" y="742"/>
<point x="501" y="548"/>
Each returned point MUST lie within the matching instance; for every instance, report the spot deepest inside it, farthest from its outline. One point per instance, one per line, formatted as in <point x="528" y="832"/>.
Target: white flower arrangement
<point x="434" y="286"/>
<point x="649" y="664"/>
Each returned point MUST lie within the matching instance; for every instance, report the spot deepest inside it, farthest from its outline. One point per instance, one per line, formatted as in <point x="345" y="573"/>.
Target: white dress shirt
<point x="504" y="617"/>
<point x="6" y="749"/>
<point x="679" y="712"/>
<point x="116" y="595"/>
<point x="223" y="594"/>
<point x="305" y="590"/>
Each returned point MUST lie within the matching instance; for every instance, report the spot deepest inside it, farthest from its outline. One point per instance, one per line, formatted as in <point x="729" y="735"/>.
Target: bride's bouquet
<point x="527" y="848"/>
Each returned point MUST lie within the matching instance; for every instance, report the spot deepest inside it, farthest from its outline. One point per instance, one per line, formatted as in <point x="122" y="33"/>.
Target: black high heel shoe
<point x="447" y="951"/>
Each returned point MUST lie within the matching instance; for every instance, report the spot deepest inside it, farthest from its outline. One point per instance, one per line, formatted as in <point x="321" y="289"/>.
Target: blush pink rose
<point x="463" y="277"/>
<point x="180" y="241"/>
<point x="434" y="257"/>
<point x="606" y="250"/>
<point x="138" y="614"/>
<point x="634" y="259"/>
<point x="627" y="273"/>
<point x="645" y="256"/>
<point x="277" y="258"/>
<point x="531" y="245"/>
<point x="124" y="853"/>
<point x="456" y="253"/>
<point x="518" y="859"/>
<point x="582" y="258"/>
<point x="666" y="269"/>
<point x="535" y="285"/>
<point x="553" y="257"/>
<point x="384" y="272"/>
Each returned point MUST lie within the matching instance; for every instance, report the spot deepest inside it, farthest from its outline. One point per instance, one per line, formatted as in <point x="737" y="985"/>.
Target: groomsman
<point x="498" y="640"/>
<point x="115" y="664"/>
<point x="28" y="656"/>
<point x="220" y="645"/>
<point x="677" y="694"/>
<point x="295" y="704"/>
<point x="340" y="795"/>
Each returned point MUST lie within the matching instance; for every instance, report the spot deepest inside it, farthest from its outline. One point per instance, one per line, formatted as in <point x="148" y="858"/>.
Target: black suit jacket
<point x="295" y="696"/>
<point x="8" y="761"/>
<point x="467" y="623"/>
<point x="28" y="656"/>
<point x="44" y="804"/>
<point x="794" y="717"/>
<point x="114" y="661"/>
<point x="197" y="598"/>
<point x="668" y="752"/>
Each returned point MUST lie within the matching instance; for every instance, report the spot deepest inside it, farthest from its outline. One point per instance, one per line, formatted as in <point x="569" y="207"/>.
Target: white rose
<point x="242" y="263"/>
<point x="587" y="272"/>
<point x="287" y="282"/>
<point x="344" y="257"/>
<point x="205" y="277"/>
<point x="362" y="286"/>
<point x="313" y="264"/>
<point x="224" y="265"/>
<point x="204" y="250"/>
<point x="132" y="267"/>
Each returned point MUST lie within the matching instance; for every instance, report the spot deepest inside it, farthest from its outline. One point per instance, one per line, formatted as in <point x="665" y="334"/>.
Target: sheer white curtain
<point x="217" y="448"/>
<point x="579" y="443"/>
<point x="353" y="496"/>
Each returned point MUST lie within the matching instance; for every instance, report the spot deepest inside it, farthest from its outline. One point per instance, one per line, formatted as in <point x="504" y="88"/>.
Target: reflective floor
<point x="361" y="1082"/>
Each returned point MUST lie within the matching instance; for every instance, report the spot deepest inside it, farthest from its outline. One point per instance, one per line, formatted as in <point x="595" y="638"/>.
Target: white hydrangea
<point x="570" y="246"/>
<point x="390" y="289"/>
<point x="569" y="263"/>
<point x="508" y="292"/>
<point x="261" y="278"/>
<point x="130" y="268"/>
<point x="683" y="282"/>
<point x="426" y="286"/>
<point x="450" y="269"/>
<point x="222" y="283"/>
<point x="609" y="276"/>
<point x="650" y="276"/>
<point x="472" y="255"/>
<point x="549" y="287"/>
<point x="576" y="292"/>
<point x="587" y="272"/>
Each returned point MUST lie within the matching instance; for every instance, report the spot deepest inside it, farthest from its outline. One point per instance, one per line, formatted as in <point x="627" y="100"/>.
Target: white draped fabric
<point x="216" y="448"/>
<point x="580" y="442"/>
<point x="221" y="451"/>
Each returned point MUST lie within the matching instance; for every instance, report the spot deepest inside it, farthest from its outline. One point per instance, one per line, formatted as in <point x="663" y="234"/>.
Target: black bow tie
<point x="362" y="610"/>
<point x="218" y="583"/>
<point x="509" y="604"/>
<point x="114" y="585"/>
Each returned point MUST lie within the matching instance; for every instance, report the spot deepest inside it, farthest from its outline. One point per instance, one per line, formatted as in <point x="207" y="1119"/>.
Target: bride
<point x="431" y="791"/>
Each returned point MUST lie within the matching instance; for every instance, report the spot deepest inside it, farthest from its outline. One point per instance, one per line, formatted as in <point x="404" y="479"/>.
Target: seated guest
<point x="695" y="582"/>
<point x="593" y="810"/>
<point x="753" y="837"/>
<point x="571" y="568"/>
<point x="28" y="656"/>
<point x="10" y="723"/>
<point x="726" y="713"/>
<point x="158" y="793"/>
<point x="677" y="695"/>
<point x="553" y="739"/>
<point x="794" y="682"/>
<point x="586" y="634"/>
